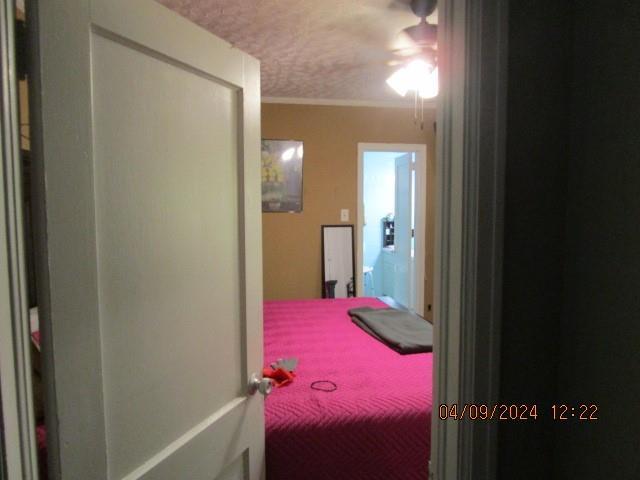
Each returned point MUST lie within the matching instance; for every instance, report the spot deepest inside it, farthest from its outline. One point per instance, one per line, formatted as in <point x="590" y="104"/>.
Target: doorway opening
<point x="391" y="223"/>
<point x="450" y="301"/>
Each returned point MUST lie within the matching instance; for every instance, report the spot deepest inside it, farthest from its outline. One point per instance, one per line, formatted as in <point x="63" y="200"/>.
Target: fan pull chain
<point x="415" y="110"/>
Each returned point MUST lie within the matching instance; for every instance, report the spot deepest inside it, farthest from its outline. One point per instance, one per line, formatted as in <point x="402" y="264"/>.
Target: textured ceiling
<point x="319" y="49"/>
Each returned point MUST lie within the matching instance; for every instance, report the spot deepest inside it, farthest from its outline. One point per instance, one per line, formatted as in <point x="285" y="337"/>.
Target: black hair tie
<point x="324" y="386"/>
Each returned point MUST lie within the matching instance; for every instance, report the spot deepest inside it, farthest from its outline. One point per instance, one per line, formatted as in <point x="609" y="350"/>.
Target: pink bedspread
<point x="376" y="425"/>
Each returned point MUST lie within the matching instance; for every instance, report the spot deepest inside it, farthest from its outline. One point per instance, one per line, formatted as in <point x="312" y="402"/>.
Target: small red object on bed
<point x="374" y="425"/>
<point x="279" y="376"/>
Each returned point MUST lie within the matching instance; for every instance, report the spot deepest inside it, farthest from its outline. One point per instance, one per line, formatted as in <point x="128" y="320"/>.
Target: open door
<point x="148" y="151"/>
<point x="403" y="231"/>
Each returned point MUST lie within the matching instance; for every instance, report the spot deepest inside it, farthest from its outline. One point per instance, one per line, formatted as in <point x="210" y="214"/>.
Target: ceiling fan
<point x="417" y="59"/>
<point x="420" y="38"/>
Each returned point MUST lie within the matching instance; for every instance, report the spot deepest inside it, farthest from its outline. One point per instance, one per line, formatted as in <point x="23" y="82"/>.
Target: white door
<point x="403" y="235"/>
<point x="152" y="319"/>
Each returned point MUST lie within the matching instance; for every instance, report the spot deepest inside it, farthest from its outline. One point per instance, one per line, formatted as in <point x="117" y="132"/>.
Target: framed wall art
<point x="282" y="175"/>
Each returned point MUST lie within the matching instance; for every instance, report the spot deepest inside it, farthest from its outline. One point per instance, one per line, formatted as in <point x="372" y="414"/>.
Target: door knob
<point x="260" y="384"/>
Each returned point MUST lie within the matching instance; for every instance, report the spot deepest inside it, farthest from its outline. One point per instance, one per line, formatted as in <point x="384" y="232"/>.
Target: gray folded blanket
<point x="403" y="331"/>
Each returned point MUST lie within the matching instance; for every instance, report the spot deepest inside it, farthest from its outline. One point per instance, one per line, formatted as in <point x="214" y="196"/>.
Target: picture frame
<point x="282" y="179"/>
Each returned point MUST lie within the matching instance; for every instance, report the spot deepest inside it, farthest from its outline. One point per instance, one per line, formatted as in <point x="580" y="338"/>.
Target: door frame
<point x="420" y="215"/>
<point x="16" y="404"/>
<point x="471" y="121"/>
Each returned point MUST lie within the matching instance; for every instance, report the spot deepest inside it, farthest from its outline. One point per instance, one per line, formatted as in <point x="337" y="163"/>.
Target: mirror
<point x="338" y="262"/>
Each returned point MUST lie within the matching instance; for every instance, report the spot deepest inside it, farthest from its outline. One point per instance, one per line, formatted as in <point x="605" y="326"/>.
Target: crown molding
<point x="431" y="104"/>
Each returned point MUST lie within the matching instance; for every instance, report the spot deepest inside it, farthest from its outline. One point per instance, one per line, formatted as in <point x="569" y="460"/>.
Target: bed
<point x="375" y="425"/>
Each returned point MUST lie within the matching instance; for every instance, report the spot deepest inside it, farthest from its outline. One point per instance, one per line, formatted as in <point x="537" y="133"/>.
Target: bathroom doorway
<point x="391" y="223"/>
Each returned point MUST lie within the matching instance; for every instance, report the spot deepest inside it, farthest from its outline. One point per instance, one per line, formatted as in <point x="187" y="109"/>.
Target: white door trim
<point x="472" y="49"/>
<point x="421" y="206"/>
<point x="15" y="362"/>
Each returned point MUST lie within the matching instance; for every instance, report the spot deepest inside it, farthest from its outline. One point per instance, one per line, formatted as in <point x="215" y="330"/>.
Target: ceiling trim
<point x="345" y="102"/>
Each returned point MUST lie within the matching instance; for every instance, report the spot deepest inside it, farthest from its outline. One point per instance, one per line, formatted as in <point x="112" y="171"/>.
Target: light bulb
<point x="419" y="76"/>
<point x="418" y="71"/>
<point x="429" y="86"/>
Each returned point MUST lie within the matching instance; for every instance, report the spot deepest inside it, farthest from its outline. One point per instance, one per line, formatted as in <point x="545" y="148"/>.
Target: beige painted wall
<point x="291" y="241"/>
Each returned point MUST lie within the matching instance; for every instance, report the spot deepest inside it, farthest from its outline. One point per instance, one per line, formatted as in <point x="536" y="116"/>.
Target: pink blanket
<point x="376" y="425"/>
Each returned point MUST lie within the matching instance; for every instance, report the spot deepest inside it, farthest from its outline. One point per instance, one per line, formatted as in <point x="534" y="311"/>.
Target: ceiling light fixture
<point x="417" y="76"/>
<point x="418" y="72"/>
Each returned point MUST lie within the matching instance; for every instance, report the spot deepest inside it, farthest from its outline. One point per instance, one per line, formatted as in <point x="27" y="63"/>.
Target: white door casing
<point x="17" y="433"/>
<point x="420" y="151"/>
<point x="152" y="319"/>
<point x="470" y="164"/>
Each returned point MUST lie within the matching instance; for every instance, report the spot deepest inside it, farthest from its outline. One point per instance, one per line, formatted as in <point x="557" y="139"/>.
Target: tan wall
<point x="291" y="241"/>
<point x="25" y="131"/>
<point x="23" y="103"/>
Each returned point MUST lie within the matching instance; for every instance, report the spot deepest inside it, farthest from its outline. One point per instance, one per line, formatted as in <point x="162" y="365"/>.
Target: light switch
<point x="344" y="215"/>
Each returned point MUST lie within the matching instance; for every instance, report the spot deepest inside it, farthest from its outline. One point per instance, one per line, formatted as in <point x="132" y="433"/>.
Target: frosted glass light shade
<point x="418" y="76"/>
<point x="429" y="87"/>
<point x="399" y="82"/>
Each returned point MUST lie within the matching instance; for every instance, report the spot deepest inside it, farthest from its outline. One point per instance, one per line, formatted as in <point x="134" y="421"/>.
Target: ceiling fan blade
<point x="399" y="5"/>
<point x="422" y="34"/>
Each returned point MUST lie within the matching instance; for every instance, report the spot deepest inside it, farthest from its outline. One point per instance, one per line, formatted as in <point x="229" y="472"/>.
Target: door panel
<point x="153" y="245"/>
<point x="168" y="259"/>
<point x="235" y="471"/>
<point x="402" y="231"/>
